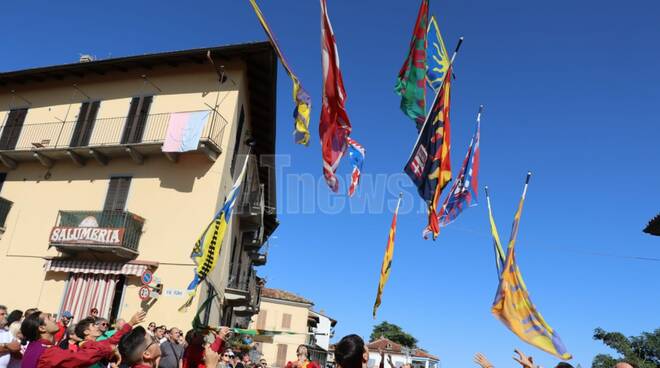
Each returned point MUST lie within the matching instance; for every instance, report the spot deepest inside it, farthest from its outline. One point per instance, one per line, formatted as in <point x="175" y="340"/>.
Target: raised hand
<point x="525" y="361"/>
<point x="482" y="361"/>
<point x="137" y="318"/>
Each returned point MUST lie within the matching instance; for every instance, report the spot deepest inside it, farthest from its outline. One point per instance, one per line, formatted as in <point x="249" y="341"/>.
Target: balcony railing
<point x="5" y="206"/>
<point x="98" y="230"/>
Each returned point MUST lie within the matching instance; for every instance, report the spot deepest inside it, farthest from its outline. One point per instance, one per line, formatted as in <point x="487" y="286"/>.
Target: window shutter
<point x="12" y="129"/>
<point x="130" y="119"/>
<point x="3" y="177"/>
<point x="261" y="319"/>
<point x="281" y="355"/>
<point x="117" y="194"/>
<point x="286" y="320"/>
<point x="85" y="124"/>
<point x="237" y="141"/>
<point x="141" y="121"/>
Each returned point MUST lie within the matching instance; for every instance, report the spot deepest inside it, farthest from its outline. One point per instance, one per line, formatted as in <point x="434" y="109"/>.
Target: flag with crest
<point x="437" y="59"/>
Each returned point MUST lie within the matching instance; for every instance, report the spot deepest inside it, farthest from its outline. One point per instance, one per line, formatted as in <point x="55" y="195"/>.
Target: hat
<point x="67" y="314"/>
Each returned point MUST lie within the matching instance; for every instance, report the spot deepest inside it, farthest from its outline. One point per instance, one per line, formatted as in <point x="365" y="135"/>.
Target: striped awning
<point x="95" y="267"/>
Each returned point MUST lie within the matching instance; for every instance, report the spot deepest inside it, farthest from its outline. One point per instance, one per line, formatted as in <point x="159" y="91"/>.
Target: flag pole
<point x="437" y="95"/>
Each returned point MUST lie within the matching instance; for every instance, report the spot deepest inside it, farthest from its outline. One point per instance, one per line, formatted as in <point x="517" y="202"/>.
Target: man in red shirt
<point x="303" y="361"/>
<point x="139" y="349"/>
<point x="39" y="328"/>
<point x="63" y="324"/>
<point x="193" y="356"/>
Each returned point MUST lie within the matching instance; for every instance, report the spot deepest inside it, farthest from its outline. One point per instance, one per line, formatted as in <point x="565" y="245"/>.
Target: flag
<point x="334" y="125"/>
<point x="410" y="84"/>
<point x="497" y="245"/>
<point x="386" y="267"/>
<point x="184" y="130"/>
<point x="357" y="153"/>
<point x="207" y="248"/>
<point x="300" y="97"/>
<point x="429" y="166"/>
<point x="513" y="306"/>
<point x="463" y="192"/>
<point x="437" y="59"/>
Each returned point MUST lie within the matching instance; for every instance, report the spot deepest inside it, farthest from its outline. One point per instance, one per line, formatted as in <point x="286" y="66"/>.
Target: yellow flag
<point x="387" y="259"/>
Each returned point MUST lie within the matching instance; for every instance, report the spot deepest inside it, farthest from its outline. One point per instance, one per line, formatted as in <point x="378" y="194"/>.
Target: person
<point x="139" y="349"/>
<point x="8" y="345"/>
<point x="263" y="363"/>
<point x="193" y="355"/>
<point x="482" y="361"/>
<point x="151" y="330"/>
<point x="73" y="341"/>
<point x="39" y="329"/>
<point x="351" y="352"/>
<point x="303" y="360"/>
<point x="171" y="350"/>
<point x="159" y="334"/>
<point x="104" y="327"/>
<point x="61" y="335"/>
<point x="15" y="316"/>
<point x="382" y="359"/>
<point x="89" y="331"/>
<point x="15" y="332"/>
<point x="227" y="360"/>
<point x="94" y="312"/>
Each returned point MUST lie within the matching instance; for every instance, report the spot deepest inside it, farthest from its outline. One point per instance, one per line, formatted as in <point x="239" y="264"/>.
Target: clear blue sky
<point x="571" y="90"/>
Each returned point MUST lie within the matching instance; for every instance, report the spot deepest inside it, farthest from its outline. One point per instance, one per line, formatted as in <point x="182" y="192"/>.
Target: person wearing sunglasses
<point x="139" y="349"/>
<point x="303" y="360"/>
<point x="227" y="360"/>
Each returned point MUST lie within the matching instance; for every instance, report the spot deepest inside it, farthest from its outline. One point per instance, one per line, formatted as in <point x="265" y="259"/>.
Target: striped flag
<point x="207" y="248"/>
<point x="513" y="306"/>
<point x="356" y="153"/>
<point x="437" y="59"/>
<point x="386" y="267"/>
<point x="463" y="192"/>
<point x="300" y="97"/>
<point x="334" y="125"/>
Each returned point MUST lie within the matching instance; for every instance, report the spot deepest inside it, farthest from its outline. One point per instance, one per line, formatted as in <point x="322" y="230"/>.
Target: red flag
<point x="334" y="127"/>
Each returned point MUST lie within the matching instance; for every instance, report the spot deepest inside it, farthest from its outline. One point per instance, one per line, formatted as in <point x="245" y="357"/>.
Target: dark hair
<point x="131" y="344"/>
<point x="14" y="316"/>
<point x="30" y="311"/>
<point x="349" y="351"/>
<point x="30" y="326"/>
<point x="563" y="365"/>
<point x="83" y="325"/>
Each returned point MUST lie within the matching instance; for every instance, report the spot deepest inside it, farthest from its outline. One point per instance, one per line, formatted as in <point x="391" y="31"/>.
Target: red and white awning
<point x="94" y="267"/>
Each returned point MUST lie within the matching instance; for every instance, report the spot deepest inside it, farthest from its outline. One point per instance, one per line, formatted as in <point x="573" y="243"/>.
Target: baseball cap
<point x="67" y="314"/>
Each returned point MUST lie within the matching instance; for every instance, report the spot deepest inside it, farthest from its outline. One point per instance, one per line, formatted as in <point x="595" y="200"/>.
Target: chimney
<point x="86" y="58"/>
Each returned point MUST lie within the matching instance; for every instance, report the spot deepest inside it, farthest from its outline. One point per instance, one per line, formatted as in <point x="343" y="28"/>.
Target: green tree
<point x="641" y="351"/>
<point x="394" y="333"/>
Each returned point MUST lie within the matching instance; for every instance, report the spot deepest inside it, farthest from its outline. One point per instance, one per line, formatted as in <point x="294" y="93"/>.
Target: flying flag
<point x="357" y="153"/>
<point x="410" y="84"/>
<point x="300" y="97"/>
<point x="497" y="244"/>
<point x="387" y="259"/>
<point x="207" y="248"/>
<point x="463" y="192"/>
<point x="513" y="306"/>
<point x="334" y="126"/>
<point x="429" y="166"/>
<point x="437" y="59"/>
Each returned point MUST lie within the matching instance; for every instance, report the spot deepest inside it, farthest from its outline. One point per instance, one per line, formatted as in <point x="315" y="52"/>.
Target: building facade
<point x="416" y="357"/>
<point x="89" y="200"/>
<point x="291" y="314"/>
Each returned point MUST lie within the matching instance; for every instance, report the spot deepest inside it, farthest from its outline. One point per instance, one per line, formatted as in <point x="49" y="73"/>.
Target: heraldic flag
<point x="513" y="306"/>
<point x="437" y="59"/>
<point x="429" y="166"/>
<point x="386" y="267"/>
<point x="207" y="248"/>
<point x="463" y="192"/>
<point x="410" y="84"/>
<point x="300" y="97"/>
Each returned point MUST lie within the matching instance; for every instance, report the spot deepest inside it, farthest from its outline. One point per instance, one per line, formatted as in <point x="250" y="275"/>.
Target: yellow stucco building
<point x="89" y="200"/>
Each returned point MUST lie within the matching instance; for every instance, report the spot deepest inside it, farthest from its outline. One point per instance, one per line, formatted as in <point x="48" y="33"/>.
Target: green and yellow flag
<point x="513" y="306"/>
<point x="387" y="259"/>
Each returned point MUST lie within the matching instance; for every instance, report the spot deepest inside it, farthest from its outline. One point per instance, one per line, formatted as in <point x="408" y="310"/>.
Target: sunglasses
<point x="103" y="324"/>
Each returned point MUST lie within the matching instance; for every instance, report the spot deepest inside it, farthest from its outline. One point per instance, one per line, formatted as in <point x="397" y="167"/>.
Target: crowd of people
<point x="35" y="339"/>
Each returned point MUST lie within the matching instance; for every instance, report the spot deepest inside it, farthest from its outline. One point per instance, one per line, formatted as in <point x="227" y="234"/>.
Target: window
<point x="136" y="120"/>
<point x="12" y="129"/>
<point x="237" y="141"/>
<point x="3" y="177"/>
<point x="85" y="124"/>
<point x="286" y="320"/>
<point x="281" y="355"/>
<point x="117" y="193"/>
<point x="261" y="319"/>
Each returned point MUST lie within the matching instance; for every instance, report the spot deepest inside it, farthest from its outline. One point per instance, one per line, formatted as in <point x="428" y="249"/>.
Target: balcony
<point x="251" y="203"/>
<point x="115" y="233"/>
<point x="5" y="206"/>
<point x="100" y="140"/>
<point x="244" y="295"/>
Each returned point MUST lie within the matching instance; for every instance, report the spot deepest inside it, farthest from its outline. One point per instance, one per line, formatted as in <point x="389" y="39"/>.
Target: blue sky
<point x="571" y="91"/>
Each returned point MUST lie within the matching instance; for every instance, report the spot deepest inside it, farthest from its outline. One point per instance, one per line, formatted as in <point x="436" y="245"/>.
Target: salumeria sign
<point x="87" y="235"/>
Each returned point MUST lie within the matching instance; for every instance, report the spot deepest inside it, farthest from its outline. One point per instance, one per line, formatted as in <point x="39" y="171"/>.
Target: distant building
<point x="284" y="311"/>
<point x="653" y="226"/>
<point x="401" y="355"/>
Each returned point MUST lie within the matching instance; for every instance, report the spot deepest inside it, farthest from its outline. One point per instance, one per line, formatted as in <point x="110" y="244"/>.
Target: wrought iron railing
<point x="105" y="132"/>
<point x="130" y="222"/>
<point x="5" y="206"/>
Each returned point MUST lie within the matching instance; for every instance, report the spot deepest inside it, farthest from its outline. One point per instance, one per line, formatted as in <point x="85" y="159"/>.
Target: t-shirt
<point x="5" y="337"/>
<point x="170" y="354"/>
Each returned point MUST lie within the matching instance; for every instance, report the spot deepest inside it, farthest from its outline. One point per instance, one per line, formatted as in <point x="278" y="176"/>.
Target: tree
<point x="641" y="351"/>
<point x="394" y="333"/>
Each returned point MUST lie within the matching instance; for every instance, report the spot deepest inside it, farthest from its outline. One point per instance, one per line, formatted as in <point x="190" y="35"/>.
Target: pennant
<point x="334" y="125"/>
<point x="386" y="267"/>
<point x="497" y="244"/>
<point x="410" y="84"/>
<point x="437" y="59"/>
<point x="429" y="166"/>
<point x="207" y="248"/>
<point x="513" y="306"/>
<point x="356" y="153"/>
<point x="463" y="192"/>
<point x="300" y="97"/>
